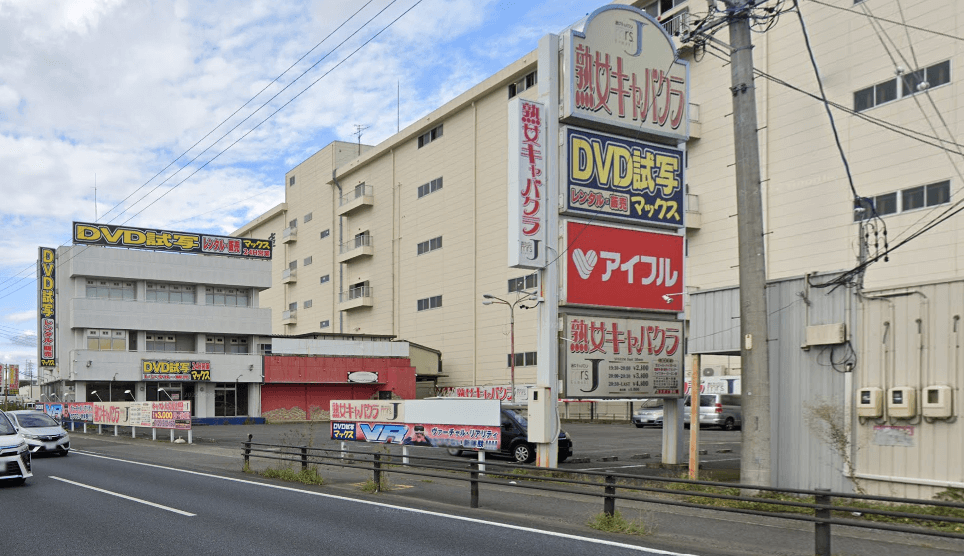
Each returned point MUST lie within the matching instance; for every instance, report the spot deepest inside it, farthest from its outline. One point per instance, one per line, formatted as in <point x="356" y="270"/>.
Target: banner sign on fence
<point x="422" y="434"/>
<point x="153" y="415"/>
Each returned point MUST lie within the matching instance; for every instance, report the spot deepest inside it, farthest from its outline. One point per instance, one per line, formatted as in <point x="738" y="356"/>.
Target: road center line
<point x="124" y="496"/>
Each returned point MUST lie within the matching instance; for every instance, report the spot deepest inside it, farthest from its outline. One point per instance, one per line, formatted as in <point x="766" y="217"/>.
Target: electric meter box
<point x="902" y="402"/>
<point x="541" y="415"/>
<point x="936" y="402"/>
<point x="870" y="402"/>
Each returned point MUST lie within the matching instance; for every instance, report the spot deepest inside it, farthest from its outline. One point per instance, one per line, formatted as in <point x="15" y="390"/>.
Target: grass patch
<point x="616" y="523"/>
<point x="371" y="487"/>
<point x="308" y="476"/>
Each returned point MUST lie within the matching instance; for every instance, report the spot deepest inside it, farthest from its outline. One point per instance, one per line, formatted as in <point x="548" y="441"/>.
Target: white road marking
<point x="124" y="496"/>
<point x="400" y="508"/>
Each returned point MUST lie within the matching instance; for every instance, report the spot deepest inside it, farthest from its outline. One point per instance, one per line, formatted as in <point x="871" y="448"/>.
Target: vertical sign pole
<point x="547" y="373"/>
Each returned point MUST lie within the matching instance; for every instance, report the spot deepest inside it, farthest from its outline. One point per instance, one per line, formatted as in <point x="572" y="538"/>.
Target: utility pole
<point x="755" y="461"/>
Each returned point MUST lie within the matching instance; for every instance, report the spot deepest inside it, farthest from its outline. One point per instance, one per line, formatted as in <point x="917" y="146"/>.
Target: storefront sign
<point x="620" y="358"/>
<point x="528" y="204"/>
<point x="623" y="72"/>
<point x="164" y="240"/>
<point x="419" y="434"/>
<point x="380" y="411"/>
<point x="618" y="178"/>
<point x="155" y="369"/>
<point x="47" y="306"/>
<point x="617" y="267"/>
<point x="156" y="415"/>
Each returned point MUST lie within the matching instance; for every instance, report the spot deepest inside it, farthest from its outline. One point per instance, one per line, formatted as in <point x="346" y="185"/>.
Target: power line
<point x="922" y="29"/>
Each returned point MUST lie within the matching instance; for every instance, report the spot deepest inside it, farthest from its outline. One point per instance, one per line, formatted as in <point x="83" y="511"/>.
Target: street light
<point x="56" y="396"/>
<point x="165" y="393"/>
<point x="131" y="395"/>
<point x="94" y="393"/>
<point x="489" y="300"/>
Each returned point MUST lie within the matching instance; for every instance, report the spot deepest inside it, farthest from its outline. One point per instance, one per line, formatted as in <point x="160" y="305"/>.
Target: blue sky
<point x="110" y="92"/>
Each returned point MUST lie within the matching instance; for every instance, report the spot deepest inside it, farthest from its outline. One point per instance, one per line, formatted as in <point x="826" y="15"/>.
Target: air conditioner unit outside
<point x="712" y="370"/>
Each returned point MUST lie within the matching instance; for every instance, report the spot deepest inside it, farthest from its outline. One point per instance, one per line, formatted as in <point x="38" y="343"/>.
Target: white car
<point x="14" y="455"/>
<point x="42" y="433"/>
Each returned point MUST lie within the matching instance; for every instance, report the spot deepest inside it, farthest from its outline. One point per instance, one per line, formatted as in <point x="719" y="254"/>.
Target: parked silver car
<point x="42" y="432"/>
<point x="717" y="410"/>
<point x="14" y="455"/>
<point x="650" y="414"/>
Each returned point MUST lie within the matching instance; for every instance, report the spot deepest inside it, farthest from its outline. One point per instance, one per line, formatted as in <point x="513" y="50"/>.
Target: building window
<point x="291" y="181"/>
<point x="293" y="223"/>
<point x="904" y="86"/>
<point x="293" y="265"/>
<point x="307" y="217"/>
<point x="325" y="234"/>
<point x="308" y="304"/>
<point x="429" y="136"/>
<point x="229" y="297"/>
<point x="106" y="340"/>
<point x="264" y="349"/>
<point x="523" y="359"/>
<point x="109" y="289"/>
<point x="325" y="278"/>
<point x="174" y="343"/>
<point x="170" y="293"/>
<point x="430" y="303"/>
<point x="307" y="261"/>
<point x="521" y="85"/>
<point x="524" y="283"/>
<point x="430" y="245"/>
<point x="293" y="306"/>
<point x="226" y="344"/>
<point x="912" y="198"/>
<point x="324" y="324"/>
<point x="430" y="187"/>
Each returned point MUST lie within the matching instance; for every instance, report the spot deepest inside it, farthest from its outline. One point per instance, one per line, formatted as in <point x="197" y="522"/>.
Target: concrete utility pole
<point x="755" y="461"/>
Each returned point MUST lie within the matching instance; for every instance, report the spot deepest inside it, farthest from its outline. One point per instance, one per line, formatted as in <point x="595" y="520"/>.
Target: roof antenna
<point x="359" y="128"/>
<point x="95" y="198"/>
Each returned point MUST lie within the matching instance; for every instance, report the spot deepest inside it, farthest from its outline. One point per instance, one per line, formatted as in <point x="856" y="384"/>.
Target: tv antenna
<point x="359" y="128"/>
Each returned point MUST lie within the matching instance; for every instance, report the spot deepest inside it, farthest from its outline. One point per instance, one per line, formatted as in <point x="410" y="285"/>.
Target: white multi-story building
<point x="136" y="325"/>
<point x="405" y="237"/>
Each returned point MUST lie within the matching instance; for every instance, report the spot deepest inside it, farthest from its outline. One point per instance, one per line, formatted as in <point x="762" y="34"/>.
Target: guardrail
<point x="825" y="509"/>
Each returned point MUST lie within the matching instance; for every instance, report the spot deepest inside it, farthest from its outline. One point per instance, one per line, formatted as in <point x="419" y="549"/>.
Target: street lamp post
<point x="128" y="392"/>
<point x="94" y="393"/>
<point x="489" y="300"/>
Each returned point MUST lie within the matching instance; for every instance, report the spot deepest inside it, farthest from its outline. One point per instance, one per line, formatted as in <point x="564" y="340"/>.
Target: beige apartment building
<point x="403" y="238"/>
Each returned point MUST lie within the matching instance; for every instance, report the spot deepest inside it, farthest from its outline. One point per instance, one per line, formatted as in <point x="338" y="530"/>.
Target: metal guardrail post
<point x="821" y="529"/>
<point x="304" y="458"/>
<point x="609" y="506"/>
<point x="474" y="482"/>
<point x="247" y="451"/>
<point x="377" y="472"/>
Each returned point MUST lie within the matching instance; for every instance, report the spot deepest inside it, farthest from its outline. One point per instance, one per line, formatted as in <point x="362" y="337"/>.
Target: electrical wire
<point x="922" y="29"/>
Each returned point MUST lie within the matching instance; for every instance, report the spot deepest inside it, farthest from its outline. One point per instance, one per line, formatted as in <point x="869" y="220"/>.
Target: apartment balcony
<point x="289" y="235"/>
<point x="289" y="317"/>
<point x="361" y="196"/>
<point x="694" y="218"/>
<point x="289" y="276"/>
<point x="355" y="298"/>
<point x="358" y="247"/>
<point x="677" y="24"/>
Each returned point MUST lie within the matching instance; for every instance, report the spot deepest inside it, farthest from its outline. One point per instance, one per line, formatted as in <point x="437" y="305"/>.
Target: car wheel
<point x="523" y="452"/>
<point x="454" y="451"/>
<point x="19" y="482"/>
<point x="63" y="453"/>
<point x="729" y="424"/>
<point x="563" y="458"/>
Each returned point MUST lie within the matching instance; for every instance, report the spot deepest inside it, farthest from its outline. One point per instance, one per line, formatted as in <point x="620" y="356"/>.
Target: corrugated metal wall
<point x="803" y="382"/>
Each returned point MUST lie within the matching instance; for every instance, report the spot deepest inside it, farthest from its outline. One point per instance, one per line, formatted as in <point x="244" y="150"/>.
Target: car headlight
<point x="29" y="435"/>
<point x="22" y="447"/>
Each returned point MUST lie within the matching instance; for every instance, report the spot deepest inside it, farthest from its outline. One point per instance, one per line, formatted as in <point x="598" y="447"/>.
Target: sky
<point x="185" y="115"/>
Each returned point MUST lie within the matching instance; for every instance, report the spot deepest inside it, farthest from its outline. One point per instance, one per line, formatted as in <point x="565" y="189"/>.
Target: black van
<point x="515" y="438"/>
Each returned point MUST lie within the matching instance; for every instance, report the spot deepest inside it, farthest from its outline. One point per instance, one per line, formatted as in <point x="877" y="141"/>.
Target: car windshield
<point x="5" y="426"/>
<point x="652" y="404"/>
<point x="519" y="416"/>
<point x="33" y="420"/>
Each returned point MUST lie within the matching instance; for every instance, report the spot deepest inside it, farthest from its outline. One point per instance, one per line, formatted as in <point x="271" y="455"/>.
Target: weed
<point x="308" y="476"/>
<point x="616" y="523"/>
<point x="371" y="488"/>
<point x="827" y="421"/>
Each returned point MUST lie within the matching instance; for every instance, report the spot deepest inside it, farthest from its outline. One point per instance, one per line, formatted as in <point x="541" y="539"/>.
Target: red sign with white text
<point x="609" y="266"/>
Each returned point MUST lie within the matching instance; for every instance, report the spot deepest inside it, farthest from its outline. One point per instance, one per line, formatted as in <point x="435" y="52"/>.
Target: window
<point x="106" y="340"/>
<point x="521" y="85"/>
<point x="293" y="223"/>
<point x="229" y="297"/>
<point x="226" y="344"/>
<point x="325" y="234"/>
<point x="524" y="283"/>
<point x="325" y="278"/>
<point x="293" y="265"/>
<point x="430" y="187"/>
<point x="307" y="261"/>
<point x="293" y="306"/>
<point x="109" y="289"/>
<point x="308" y="304"/>
<point x="430" y="245"/>
<point x="170" y="293"/>
<point x="174" y="343"/>
<point x="429" y="136"/>
<point x="908" y="84"/>
<point x="291" y="181"/>
<point x="524" y="359"/>
<point x="307" y="218"/>
<point x="324" y="324"/>
<point x="912" y="198"/>
<point x="430" y="303"/>
<point x="264" y="349"/>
